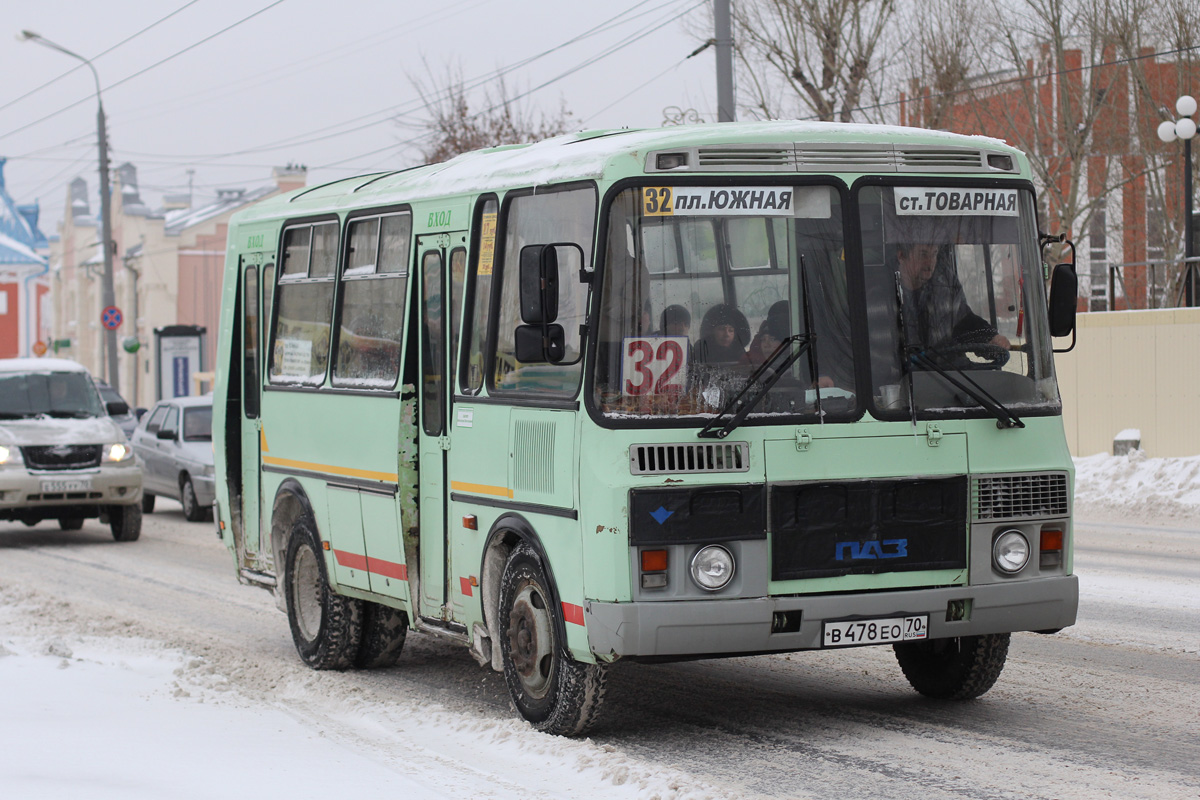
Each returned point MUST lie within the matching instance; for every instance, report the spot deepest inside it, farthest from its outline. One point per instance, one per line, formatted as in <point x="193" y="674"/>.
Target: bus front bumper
<point x="721" y="627"/>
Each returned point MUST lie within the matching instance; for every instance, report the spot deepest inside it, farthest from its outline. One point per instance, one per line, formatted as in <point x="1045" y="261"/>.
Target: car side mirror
<point x="117" y="408"/>
<point x="1064" y="288"/>
<point x="166" y="433"/>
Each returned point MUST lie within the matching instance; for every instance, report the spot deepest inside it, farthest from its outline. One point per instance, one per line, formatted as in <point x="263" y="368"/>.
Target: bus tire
<point x="961" y="668"/>
<point x="383" y="631"/>
<point x="554" y="692"/>
<point x="125" y="522"/>
<point x="326" y="627"/>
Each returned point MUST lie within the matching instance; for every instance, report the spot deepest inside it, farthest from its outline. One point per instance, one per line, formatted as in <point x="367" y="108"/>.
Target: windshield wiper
<point x="1004" y="417"/>
<point x="806" y="341"/>
<point x="16" y="414"/>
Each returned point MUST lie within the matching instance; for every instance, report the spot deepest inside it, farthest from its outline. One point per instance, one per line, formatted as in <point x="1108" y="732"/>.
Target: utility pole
<point x="724" y="38"/>
<point x="108" y="296"/>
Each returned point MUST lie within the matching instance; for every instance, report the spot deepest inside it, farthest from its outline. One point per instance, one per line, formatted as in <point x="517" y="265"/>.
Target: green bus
<point x="665" y="394"/>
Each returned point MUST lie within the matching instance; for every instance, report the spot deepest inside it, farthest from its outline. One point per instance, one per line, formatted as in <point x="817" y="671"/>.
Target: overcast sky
<point x="312" y="82"/>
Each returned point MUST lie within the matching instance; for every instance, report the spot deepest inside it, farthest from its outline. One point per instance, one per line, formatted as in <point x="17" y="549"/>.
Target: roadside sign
<point x="39" y="348"/>
<point x="111" y="318"/>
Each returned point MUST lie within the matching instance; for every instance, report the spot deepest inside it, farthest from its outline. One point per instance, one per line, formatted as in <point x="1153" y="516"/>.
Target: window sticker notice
<point x="724" y="201"/>
<point x="654" y="365"/>
<point x="956" y="202"/>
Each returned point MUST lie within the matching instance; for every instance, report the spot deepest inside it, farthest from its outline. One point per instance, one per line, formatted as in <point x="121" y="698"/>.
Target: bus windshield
<point x="703" y="284"/>
<point x="956" y="307"/>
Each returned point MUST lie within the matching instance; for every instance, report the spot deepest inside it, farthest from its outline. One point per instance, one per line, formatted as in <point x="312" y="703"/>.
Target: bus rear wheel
<point x="554" y="692"/>
<point x="326" y="627"/>
<point x="961" y="668"/>
<point x="383" y="631"/>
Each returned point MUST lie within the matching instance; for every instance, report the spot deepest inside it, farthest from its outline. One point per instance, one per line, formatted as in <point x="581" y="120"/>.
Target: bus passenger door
<point x="256" y="275"/>
<point x="435" y="253"/>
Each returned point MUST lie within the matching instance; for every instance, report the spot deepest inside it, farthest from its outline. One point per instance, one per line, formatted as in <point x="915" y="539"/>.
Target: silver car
<point x="174" y="443"/>
<point x="61" y="454"/>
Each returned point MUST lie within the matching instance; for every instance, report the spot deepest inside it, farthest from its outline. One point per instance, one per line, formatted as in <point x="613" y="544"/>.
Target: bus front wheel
<point x="554" y="692"/>
<point x="961" y="668"/>
<point x="326" y="627"/>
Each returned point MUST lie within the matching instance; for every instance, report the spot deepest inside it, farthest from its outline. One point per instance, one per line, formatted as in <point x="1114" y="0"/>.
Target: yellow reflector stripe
<point x="480" y="488"/>
<point x="332" y="470"/>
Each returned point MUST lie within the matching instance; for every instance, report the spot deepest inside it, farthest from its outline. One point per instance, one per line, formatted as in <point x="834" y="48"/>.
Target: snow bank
<point x="1136" y="486"/>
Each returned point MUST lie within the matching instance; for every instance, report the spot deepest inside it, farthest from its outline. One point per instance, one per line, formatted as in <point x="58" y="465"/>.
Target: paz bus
<point x="664" y="394"/>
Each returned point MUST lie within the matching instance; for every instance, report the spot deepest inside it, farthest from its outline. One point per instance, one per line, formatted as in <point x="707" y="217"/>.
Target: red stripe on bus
<point x="350" y="560"/>
<point x="378" y="566"/>
<point x="387" y="569"/>
<point x="465" y="583"/>
<point x="573" y="613"/>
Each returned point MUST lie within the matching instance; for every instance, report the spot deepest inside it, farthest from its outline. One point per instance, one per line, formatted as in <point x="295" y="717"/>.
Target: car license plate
<point x="851" y="633"/>
<point x="76" y="485"/>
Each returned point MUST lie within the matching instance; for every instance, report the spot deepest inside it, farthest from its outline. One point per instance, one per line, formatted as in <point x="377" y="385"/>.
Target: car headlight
<point x="117" y="453"/>
<point x="1010" y="552"/>
<point x="10" y="455"/>
<point x="712" y="568"/>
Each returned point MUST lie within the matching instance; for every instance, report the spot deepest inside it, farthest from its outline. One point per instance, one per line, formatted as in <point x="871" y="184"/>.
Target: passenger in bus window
<point x="774" y="328"/>
<point x="675" y="321"/>
<point x="935" y="308"/>
<point x="724" y="335"/>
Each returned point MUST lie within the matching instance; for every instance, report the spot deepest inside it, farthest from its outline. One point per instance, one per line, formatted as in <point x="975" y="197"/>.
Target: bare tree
<point x="809" y="57"/>
<point x="453" y="128"/>
<point x="942" y="56"/>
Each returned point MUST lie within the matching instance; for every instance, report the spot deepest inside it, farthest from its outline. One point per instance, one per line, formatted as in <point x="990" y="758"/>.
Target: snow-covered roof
<point x="227" y="200"/>
<point x="40" y="365"/>
<point x="596" y="154"/>
<point x="18" y="238"/>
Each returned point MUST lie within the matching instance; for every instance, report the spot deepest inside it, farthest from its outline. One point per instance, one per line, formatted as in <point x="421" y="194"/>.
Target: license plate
<point x="76" y="485"/>
<point x="852" y="633"/>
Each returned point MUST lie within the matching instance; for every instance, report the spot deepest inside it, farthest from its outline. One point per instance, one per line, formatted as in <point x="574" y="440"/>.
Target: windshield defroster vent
<point x="660" y="459"/>
<point x="1015" y="496"/>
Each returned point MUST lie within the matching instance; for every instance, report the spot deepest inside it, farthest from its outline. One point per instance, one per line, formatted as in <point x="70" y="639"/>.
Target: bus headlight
<point x="712" y="568"/>
<point x="117" y="453"/>
<point x="1010" y="552"/>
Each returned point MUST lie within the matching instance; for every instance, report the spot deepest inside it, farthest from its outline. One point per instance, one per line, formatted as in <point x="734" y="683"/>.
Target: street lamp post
<point x="1185" y="128"/>
<point x="108" y="295"/>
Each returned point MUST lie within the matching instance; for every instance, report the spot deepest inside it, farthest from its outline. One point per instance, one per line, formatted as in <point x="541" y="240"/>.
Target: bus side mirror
<point x="1064" y="287"/>
<point x="539" y="284"/>
<point x="539" y="343"/>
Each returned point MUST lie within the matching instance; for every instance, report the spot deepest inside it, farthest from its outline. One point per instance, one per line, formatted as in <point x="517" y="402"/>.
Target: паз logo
<point x="872" y="550"/>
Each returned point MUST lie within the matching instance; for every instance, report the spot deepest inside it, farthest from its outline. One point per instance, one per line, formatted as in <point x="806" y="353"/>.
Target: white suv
<point x="61" y="455"/>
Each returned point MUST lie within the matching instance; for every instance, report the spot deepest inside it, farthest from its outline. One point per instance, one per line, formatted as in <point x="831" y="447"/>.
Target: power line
<point x="124" y="41"/>
<point x="158" y="63"/>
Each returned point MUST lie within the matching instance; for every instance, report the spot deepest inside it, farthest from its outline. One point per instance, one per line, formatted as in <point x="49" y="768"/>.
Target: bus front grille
<point x="1017" y="496"/>
<point x="660" y="459"/>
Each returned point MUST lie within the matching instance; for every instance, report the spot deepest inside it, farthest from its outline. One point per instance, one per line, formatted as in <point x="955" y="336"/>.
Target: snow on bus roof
<point x="586" y="155"/>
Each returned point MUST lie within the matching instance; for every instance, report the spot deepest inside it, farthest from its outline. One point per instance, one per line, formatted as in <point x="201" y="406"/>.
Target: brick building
<point x="1104" y="177"/>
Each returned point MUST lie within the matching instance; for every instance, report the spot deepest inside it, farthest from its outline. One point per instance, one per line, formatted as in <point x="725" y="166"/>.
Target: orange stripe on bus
<point x="481" y="488"/>
<point x="330" y="469"/>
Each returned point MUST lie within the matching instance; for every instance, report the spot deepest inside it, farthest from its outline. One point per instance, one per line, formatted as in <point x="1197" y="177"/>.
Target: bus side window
<point x="301" y="334"/>
<point x="479" y="295"/>
<point x="250" y="356"/>
<point x="371" y="303"/>
<point x="548" y="217"/>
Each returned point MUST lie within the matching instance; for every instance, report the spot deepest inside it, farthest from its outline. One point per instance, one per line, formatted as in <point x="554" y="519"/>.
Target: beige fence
<point x="1133" y="369"/>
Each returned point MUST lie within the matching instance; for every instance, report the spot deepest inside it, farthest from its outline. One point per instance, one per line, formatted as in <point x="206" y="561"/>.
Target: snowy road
<point x="1107" y="709"/>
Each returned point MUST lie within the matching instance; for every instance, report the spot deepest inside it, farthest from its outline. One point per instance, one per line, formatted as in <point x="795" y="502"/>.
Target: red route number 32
<point x="654" y="365"/>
